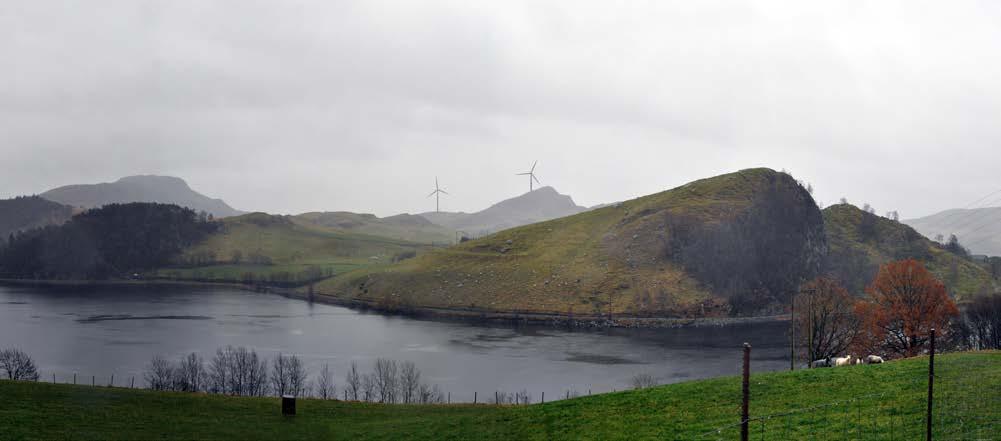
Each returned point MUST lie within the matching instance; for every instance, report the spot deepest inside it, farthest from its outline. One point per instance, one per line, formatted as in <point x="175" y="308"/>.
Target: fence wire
<point x="965" y="406"/>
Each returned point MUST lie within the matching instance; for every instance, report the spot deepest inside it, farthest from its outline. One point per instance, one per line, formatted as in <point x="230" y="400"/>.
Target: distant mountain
<point x="27" y="212"/>
<point x="978" y="229"/>
<point x="144" y="188"/>
<point x="536" y="206"/>
<point x="408" y="227"/>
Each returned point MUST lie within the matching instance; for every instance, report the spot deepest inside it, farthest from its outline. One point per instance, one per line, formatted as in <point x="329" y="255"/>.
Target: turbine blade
<point x="536" y="179"/>
<point x="522" y="174"/>
<point x="535" y="164"/>
<point x="442" y="191"/>
<point x="432" y="193"/>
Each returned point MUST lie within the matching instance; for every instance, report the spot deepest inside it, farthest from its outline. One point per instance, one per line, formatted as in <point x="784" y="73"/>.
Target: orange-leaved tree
<point x="903" y="304"/>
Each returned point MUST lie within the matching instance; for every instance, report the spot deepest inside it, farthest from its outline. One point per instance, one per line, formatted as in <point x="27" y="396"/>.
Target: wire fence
<point x="959" y="405"/>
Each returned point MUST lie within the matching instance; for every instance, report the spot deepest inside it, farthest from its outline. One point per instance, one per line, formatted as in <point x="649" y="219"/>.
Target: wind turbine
<point x="531" y="176"/>
<point x="437" y="195"/>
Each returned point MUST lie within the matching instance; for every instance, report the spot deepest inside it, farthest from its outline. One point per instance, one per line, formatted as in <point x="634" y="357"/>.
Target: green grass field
<point x="824" y="404"/>
<point x="291" y="247"/>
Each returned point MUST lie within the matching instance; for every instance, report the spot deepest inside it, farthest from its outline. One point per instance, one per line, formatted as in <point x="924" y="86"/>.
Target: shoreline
<point x="437" y="313"/>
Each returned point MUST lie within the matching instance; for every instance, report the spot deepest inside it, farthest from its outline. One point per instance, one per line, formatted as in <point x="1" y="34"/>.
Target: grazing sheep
<point x="873" y="359"/>
<point x="823" y="362"/>
<point x="842" y="361"/>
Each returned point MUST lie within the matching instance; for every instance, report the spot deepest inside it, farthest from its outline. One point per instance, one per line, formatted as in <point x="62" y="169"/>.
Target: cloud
<point x="328" y="105"/>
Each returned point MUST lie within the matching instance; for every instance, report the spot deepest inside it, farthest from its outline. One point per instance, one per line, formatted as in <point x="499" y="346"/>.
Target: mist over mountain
<point x="142" y="188"/>
<point x="978" y="229"/>
<point x="27" y="212"/>
<point x="538" y="205"/>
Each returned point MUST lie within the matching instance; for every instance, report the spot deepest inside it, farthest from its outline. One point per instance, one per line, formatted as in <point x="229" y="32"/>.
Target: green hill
<point x="260" y="246"/>
<point x="860" y="242"/>
<point x="408" y="227"/>
<point x="856" y="402"/>
<point x="736" y="243"/>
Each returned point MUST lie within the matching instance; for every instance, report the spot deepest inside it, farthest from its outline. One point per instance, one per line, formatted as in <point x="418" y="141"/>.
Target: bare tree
<point x="190" y="375"/>
<point x="826" y="324"/>
<point x="386" y="380"/>
<point x="368" y="386"/>
<point x="353" y="382"/>
<point x="325" y="384"/>
<point x="643" y="381"/>
<point x="238" y="371"/>
<point x="410" y="381"/>
<point x="17" y="365"/>
<point x="288" y="376"/>
<point x="427" y="394"/>
<point x="159" y="374"/>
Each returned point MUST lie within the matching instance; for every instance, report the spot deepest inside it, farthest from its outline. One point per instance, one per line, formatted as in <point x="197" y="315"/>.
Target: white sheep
<point x="823" y="362"/>
<point x="842" y="361"/>
<point x="873" y="359"/>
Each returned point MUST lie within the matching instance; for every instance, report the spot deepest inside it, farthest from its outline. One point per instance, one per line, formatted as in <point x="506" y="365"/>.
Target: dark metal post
<point x="931" y="381"/>
<point x="74" y="378"/>
<point x="495" y="398"/>
<point x="133" y="386"/>
<point x="745" y="407"/>
<point x="112" y="382"/>
<point x="449" y="398"/>
<point x="288" y="405"/>
<point x="543" y="397"/>
<point x="93" y="380"/>
<point x="474" y="397"/>
<point x="53" y="378"/>
<point x="792" y="334"/>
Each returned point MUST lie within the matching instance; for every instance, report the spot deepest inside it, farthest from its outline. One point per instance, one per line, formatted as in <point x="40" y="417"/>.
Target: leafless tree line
<point x="391" y="382"/>
<point x="240" y="371"/>
<point x="233" y="371"/>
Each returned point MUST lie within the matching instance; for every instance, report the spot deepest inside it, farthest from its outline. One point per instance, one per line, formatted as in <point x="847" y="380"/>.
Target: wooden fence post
<point x="744" y="409"/>
<point x="931" y="382"/>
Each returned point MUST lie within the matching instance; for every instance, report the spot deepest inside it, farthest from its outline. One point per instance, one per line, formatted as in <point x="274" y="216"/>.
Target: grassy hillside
<point x="691" y="251"/>
<point x="408" y="227"/>
<point x="885" y="399"/>
<point x="269" y="246"/>
<point x="860" y="242"/>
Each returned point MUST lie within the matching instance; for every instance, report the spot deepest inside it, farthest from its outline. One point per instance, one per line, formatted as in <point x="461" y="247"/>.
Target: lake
<point x="115" y="330"/>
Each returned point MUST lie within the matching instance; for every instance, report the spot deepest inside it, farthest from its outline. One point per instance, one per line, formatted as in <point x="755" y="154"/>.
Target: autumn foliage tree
<point x="904" y="303"/>
<point x="826" y="323"/>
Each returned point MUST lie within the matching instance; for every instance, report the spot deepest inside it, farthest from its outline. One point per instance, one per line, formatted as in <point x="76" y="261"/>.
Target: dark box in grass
<point x="288" y="405"/>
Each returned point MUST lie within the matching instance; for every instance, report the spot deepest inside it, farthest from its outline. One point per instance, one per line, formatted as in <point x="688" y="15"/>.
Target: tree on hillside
<point x="826" y="324"/>
<point x="903" y="304"/>
<point x="953" y="246"/>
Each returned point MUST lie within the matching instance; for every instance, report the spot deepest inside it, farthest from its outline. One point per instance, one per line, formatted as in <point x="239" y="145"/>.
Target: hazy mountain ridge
<point x="27" y="212"/>
<point x="141" y="188"/>
<point x="978" y="229"/>
<point x="539" y="205"/>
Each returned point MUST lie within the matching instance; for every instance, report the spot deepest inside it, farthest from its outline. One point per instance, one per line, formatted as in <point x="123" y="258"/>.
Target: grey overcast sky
<point x="291" y="106"/>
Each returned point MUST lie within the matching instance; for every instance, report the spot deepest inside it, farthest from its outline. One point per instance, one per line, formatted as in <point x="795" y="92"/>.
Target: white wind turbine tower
<point x="531" y="177"/>
<point x="437" y="195"/>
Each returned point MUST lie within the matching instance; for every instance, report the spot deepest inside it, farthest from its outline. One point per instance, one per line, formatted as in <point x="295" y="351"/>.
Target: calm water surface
<point x="115" y="330"/>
